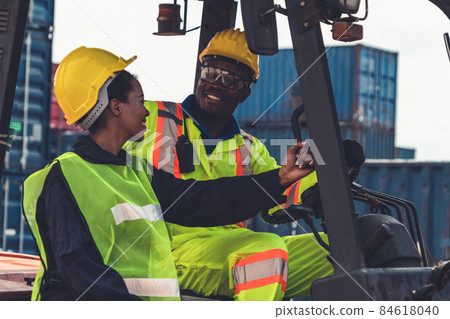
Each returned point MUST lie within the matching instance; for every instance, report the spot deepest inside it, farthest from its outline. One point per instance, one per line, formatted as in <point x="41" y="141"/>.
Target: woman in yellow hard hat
<point x="97" y="222"/>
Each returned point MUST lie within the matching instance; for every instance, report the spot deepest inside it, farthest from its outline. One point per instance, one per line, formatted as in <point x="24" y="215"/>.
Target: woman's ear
<point x="115" y="106"/>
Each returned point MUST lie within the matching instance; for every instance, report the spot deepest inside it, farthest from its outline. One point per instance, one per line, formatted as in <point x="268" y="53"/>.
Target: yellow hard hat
<point x="80" y="76"/>
<point x="232" y="44"/>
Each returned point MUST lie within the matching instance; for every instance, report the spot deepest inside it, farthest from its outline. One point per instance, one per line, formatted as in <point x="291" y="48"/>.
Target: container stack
<point x="364" y="83"/>
<point x="30" y="117"/>
<point x="61" y="134"/>
<point x="426" y="184"/>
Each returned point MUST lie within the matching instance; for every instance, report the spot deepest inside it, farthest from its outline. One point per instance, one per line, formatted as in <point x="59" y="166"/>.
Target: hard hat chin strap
<point x="102" y="102"/>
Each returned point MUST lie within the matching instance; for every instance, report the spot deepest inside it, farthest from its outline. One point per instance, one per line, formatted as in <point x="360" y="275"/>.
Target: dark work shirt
<point x="75" y="266"/>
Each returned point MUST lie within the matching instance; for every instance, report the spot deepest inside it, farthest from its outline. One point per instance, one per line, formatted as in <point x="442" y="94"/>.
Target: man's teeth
<point x="213" y="97"/>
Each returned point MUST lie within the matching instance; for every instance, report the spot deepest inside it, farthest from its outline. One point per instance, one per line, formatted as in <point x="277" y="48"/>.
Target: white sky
<point x="166" y="65"/>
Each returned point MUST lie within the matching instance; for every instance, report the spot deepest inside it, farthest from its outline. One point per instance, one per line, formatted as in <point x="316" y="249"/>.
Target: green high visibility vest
<point x="124" y="218"/>
<point x="241" y="155"/>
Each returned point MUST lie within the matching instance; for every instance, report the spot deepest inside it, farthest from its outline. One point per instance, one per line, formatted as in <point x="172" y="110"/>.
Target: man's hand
<point x="290" y="172"/>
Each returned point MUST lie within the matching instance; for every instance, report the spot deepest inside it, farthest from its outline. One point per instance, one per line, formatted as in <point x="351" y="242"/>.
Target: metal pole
<point x="5" y="212"/>
<point x="323" y="126"/>
<point x="11" y="42"/>
<point x="216" y="16"/>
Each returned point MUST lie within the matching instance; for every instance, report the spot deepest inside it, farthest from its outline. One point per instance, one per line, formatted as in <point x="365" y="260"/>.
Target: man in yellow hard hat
<point x="98" y="220"/>
<point x="201" y="139"/>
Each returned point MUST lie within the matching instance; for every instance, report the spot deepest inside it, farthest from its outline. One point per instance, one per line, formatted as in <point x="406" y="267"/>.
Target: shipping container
<point x="364" y="84"/>
<point x="377" y="143"/>
<point x="61" y="142"/>
<point x="404" y="153"/>
<point x="30" y="121"/>
<point x="426" y="185"/>
<point x="15" y="235"/>
<point x="41" y="14"/>
<point x="30" y="114"/>
<point x="375" y="73"/>
<point x="276" y="93"/>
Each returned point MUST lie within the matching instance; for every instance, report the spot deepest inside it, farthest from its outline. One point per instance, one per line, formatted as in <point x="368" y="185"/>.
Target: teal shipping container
<point x="364" y="83"/>
<point x="377" y="143"/>
<point x="30" y="121"/>
<point x="404" y="153"/>
<point x="426" y="185"/>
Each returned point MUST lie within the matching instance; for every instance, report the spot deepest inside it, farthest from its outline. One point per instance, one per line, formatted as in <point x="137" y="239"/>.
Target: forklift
<point x="378" y="256"/>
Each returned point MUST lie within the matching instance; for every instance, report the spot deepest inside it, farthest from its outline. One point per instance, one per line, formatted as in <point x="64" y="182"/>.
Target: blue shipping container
<point x="426" y="184"/>
<point x="364" y="83"/>
<point x="41" y="13"/>
<point x="377" y="143"/>
<point x="404" y="153"/>
<point x="61" y="142"/>
<point x="31" y="104"/>
<point x="15" y="233"/>
<point x="30" y="118"/>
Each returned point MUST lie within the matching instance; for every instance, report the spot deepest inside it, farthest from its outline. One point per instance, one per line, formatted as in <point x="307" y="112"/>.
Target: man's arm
<point x="225" y="200"/>
<point x="222" y="201"/>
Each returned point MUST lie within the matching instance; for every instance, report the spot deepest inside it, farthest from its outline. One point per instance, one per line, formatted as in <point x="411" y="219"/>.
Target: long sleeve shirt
<point x="75" y="269"/>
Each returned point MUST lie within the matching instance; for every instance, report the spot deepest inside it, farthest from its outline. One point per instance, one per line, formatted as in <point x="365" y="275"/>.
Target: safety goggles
<point x="229" y="80"/>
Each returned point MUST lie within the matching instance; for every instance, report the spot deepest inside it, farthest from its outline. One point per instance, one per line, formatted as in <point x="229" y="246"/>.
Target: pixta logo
<point x="139" y="150"/>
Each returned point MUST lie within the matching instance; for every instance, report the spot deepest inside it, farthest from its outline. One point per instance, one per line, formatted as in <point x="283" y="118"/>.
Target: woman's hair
<point x="119" y="89"/>
<point x="121" y="86"/>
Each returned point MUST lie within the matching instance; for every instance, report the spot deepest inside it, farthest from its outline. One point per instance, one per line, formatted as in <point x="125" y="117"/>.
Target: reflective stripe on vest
<point x="243" y="156"/>
<point x="127" y="211"/>
<point x="153" y="287"/>
<point x="168" y="131"/>
<point x="292" y="194"/>
<point x="261" y="269"/>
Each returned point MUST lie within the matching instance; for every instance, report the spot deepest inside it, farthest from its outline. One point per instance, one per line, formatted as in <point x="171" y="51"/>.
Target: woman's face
<point x="133" y="112"/>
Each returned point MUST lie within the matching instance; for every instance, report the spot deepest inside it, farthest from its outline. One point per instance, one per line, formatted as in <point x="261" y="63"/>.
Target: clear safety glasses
<point x="229" y="80"/>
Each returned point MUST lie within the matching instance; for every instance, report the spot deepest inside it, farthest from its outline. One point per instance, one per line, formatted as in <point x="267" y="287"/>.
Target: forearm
<point x="219" y="202"/>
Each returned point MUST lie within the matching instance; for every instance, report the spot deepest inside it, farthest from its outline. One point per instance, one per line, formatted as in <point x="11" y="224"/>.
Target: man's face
<point x="214" y="98"/>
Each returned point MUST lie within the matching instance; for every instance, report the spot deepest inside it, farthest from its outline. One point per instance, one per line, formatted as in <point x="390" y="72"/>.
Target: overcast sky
<point x="166" y="65"/>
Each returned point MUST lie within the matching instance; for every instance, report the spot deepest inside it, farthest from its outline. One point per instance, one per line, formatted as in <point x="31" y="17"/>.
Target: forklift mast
<point x="304" y="16"/>
<point x="13" y="18"/>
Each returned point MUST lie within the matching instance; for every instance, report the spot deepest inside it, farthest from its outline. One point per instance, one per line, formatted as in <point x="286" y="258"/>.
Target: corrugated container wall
<point x="30" y="119"/>
<point x="364" y="85"/>
<point x="404" y="153"/>
<point x="275" y="94"/>
<point x="425" y="184"/>
<point x="377" y="143"/>
<point x="61" y="134"/>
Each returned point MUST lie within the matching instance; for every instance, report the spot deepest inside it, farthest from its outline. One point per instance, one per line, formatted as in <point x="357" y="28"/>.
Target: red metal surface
<point x="13" y="269"/>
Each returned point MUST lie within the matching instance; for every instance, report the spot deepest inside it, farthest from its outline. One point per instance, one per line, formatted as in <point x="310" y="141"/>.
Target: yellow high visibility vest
<point x="241" y="155"/>
<point x="124" y="218"/>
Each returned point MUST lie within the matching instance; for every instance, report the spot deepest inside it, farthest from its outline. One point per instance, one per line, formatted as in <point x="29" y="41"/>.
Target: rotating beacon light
<point x="344" y="28"/>
<point x="169" y="19"/>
